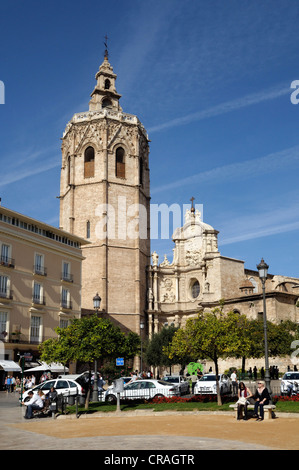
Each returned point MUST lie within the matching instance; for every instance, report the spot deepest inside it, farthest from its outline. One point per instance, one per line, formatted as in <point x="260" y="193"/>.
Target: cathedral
<point x="105" y="199"/>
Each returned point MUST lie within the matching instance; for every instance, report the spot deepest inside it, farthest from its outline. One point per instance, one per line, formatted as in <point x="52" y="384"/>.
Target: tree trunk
<point x="219" y="401"/>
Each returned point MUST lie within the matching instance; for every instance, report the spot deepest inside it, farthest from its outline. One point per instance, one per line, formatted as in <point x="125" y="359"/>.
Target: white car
<point x="289" y="379"/>
<point x="62" y="387"/>
<point x="143" y="389"/>
<point x="207" y="384"/>
<point x="179" y="380"/>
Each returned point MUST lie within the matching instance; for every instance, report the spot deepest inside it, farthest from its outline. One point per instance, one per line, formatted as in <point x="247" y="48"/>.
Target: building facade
<point x="40" y="282"/>
<point x="104" y="197"/>
<point x="199" y="277"/>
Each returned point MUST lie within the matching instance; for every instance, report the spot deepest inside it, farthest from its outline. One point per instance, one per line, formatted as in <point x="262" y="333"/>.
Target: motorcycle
<point x="292" y="389"/>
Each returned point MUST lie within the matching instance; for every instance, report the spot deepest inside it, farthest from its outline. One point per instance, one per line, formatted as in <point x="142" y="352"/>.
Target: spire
<point x="106" y="48"/>
<point x="105" y="95"/>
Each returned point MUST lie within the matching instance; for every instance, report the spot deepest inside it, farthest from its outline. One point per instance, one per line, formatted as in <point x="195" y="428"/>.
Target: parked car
<point x="179" y="380"/>
<point x="148" y="388"/>
<point x="62" y="387"/>
<point x="207" y="384"/>
<point x="286" y="381"/>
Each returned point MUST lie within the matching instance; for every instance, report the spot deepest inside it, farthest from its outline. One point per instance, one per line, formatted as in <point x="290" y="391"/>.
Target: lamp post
<point x="141" y="329"/>
<point x="96" y="305"/>
<point x="263" y="272"/>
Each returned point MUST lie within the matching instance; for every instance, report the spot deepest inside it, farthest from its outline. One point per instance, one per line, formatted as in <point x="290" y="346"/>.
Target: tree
<point x="156" y="350"/>
<point x="89" y="338"/>
<point x="211" y="335"/>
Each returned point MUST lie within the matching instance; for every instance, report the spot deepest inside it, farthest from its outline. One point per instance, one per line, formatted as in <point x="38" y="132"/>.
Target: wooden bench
<point x="268" y="410"/>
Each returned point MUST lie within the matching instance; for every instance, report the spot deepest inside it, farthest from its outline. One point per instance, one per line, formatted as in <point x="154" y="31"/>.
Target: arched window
<point x="106" y="103"/>
<point x="89" y="162"/>
<point x="120" y="169"/>
<point x="107" y="84"/>
<point x="88" y="229"/>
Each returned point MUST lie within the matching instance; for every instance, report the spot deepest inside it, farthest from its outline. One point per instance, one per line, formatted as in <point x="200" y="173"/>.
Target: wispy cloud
<point x="262" y="232"/>
<point x="223" y="108"/>
<point x="249" y="168"/>
<point x="28" y="165"/>
<point x="281" y="219"/>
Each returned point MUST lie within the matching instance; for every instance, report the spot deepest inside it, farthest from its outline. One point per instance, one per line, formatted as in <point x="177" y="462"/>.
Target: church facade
<point x="199" y="277"/>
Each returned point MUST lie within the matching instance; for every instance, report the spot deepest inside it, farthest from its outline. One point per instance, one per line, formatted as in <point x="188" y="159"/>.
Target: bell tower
<point x="105" y="198"/>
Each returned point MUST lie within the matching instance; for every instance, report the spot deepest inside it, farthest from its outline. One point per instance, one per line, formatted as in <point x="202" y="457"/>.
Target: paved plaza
<point x="142" y="430"/>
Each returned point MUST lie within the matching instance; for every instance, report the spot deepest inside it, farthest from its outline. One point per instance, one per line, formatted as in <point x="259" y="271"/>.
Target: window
<point x="89" y="162"/>
<point x="65" y="298"/>
<point x="38" y="293"/>
<point x="63" y="323"/>
<point x="254" y="283"/>
<point x="4" y="287"/>
<point x="48" y="385"/>
<point x="62" y="384"/>
<point x="107" y="84"/>
<point x="260" y="316"/>
<point x="120" y="163"/>
<point x="5" y="251"/>
<point x="39" y="267"/>
<point x="66" y="272"/>
<point x="106" y="103"/>
<point x="35" y="328"/>
<point x="69" y="170"/>
<point x="3" y="324"/>
<point x="140" y="171"/>
<point x="195" y="289"/>
<point x="88" y="229"/>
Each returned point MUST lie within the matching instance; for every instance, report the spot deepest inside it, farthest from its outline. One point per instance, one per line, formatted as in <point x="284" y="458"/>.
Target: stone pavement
<point x="142" y="431"/>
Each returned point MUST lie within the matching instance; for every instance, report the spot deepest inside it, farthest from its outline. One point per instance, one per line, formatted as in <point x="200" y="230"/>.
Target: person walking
<point x="262" y="398"/>
<point x="193" y="381"/>
<point x="234" y="380"/>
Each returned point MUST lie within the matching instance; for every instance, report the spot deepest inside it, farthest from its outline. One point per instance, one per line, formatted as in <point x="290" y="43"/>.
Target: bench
<point x="268" y="410"/>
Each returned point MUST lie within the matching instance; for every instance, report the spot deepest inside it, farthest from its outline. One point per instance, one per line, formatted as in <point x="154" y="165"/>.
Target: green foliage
<point x="89" y="338"/>
<point x="156" y="351"/>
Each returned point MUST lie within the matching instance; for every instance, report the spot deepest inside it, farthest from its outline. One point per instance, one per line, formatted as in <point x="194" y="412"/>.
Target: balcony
<point x="66" y="304"/>
<point x="38" y="300"/>
<point x="7" y="262"/>
<point x="6" y="294"/>
<point x="67" y="277"/>
<point x="39" y="270"/>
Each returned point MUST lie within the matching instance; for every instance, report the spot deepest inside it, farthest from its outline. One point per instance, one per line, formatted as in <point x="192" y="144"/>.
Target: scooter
<point x="293" y="389"/>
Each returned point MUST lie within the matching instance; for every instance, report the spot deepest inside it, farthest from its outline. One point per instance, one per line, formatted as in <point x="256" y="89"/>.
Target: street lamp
<point x="263" y="272"/>
<point x="96" y="305"/>
<point x="141" y="329"/>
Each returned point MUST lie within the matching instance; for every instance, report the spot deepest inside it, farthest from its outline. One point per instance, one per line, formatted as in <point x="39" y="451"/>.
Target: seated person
<point x="244" y="394"/>
<point x="35" y="403"/>
<point x="262" y="398"/>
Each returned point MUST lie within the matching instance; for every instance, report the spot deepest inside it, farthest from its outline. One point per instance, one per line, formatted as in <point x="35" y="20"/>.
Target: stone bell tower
<point x="105" y="198"/>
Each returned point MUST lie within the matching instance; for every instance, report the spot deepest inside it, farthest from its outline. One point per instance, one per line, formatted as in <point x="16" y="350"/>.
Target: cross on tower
<point x="192" y="207"/>
<point x="106" y="46"/>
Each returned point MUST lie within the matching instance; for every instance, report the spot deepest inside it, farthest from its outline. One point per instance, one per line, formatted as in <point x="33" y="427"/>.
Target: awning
<point x="53" y="367"/>
<point x="10" y="366"/>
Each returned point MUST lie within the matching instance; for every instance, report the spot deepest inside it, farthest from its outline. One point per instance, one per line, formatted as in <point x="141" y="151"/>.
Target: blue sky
<point x="209" y="80"/>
